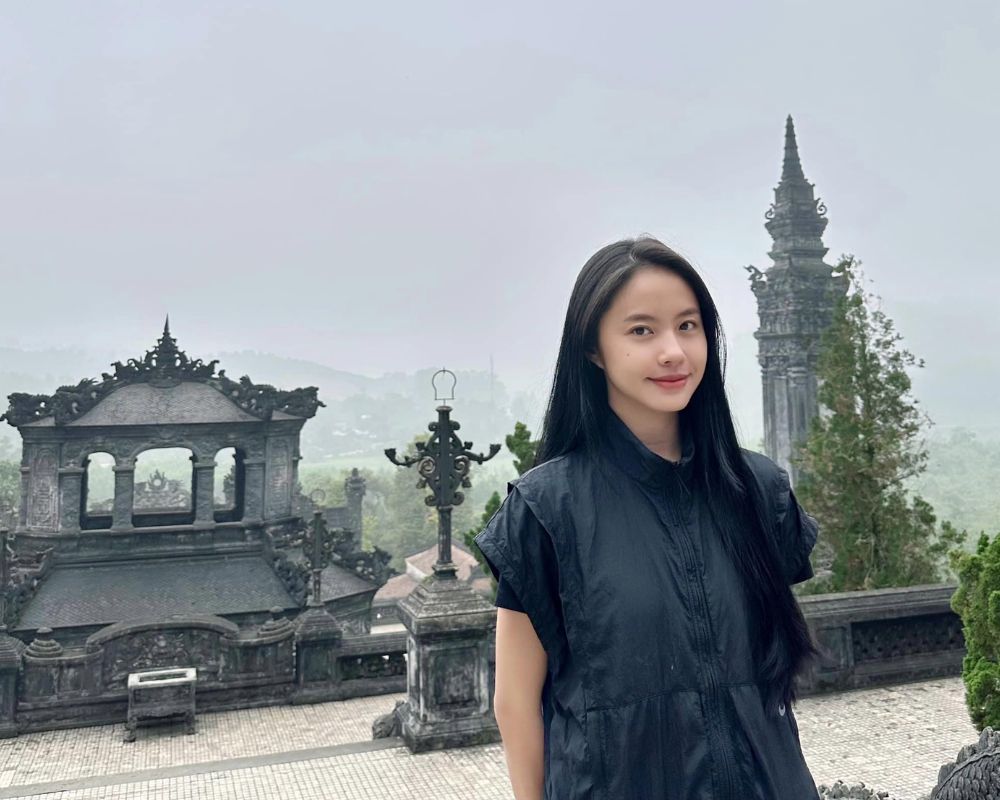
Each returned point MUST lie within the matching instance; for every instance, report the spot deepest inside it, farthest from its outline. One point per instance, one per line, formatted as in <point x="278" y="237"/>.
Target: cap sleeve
<point x="796" y="531"/>
<point x="518" y="549"/>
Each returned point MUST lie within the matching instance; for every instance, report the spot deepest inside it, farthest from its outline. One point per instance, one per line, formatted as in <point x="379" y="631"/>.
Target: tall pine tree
<point x="861" y="451"/>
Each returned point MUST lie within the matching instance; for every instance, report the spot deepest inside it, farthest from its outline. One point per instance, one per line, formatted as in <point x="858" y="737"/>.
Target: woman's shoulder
<point x="547" y="475"/>
<point x="764" y="468"/>
<point x="552" y="489"/>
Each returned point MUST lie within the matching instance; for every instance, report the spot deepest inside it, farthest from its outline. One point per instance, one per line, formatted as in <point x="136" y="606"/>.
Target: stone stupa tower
<point x="795" y="300"/>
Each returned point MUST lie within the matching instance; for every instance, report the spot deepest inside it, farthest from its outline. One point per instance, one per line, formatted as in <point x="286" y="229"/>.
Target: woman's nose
<point x="670" y="349"/>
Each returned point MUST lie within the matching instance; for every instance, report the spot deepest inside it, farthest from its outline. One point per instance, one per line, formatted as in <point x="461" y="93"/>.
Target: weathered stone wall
<point x="237" y="668"/>
<point x="883" y="636"/>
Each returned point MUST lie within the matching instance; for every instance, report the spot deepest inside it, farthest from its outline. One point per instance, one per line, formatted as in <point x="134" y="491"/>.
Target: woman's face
<point x="652" y="330"/>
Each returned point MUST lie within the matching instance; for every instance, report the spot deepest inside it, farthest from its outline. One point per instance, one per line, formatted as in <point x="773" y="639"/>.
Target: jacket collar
<point x="628" y="451"/>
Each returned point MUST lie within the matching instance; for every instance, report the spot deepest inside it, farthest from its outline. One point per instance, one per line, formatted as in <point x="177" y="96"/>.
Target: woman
<point x="647" y="638"/>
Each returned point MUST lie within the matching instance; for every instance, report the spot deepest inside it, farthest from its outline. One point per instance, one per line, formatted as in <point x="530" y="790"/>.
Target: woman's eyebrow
<point x="637" y="317"/>
<point x="641" y="317"/>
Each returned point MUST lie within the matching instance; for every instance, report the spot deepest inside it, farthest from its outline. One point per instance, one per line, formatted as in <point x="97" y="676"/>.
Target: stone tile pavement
<point x="892" y="738"/>
<point x="85" y="752"/>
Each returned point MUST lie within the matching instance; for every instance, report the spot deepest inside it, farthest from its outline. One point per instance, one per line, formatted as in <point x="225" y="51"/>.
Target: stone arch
<point x="136" y="447"/>
<point x="164" y="485"/>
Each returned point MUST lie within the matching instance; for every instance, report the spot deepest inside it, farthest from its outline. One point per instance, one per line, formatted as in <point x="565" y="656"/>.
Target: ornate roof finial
<point x="166" y="354"/>
<point x="791" y="168"/>
<point x="164" y="366"/>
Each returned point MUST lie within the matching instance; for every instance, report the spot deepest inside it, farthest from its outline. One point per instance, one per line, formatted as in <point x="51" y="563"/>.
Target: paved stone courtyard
<point x="893" y="738"/>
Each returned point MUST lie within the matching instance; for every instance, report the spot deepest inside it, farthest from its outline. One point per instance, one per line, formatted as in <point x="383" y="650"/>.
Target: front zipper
<point x="704" y="635"/>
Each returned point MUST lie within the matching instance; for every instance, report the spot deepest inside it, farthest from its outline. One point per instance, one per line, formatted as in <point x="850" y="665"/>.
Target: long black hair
<point x="576" y="416"/>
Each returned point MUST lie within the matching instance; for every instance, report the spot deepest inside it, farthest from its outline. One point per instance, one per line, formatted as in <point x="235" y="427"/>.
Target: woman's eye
<point x="640" y="328"/>
<point x="690" y="322"/>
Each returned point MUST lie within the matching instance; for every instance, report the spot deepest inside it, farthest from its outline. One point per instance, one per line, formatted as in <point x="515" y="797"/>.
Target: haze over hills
<point x="364" y="414"/>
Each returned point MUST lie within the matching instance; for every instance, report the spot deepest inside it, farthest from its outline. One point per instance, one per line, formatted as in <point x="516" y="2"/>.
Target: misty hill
<point x="363" y="415"/>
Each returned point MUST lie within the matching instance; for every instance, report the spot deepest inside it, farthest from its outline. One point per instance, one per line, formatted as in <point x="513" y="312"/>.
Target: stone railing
<point x="866" y="638"/>
<point x="873" y="638"/>
<point x="883" y="636"/>
<point x="876" y="637"/>
<point x="279" y="661"/>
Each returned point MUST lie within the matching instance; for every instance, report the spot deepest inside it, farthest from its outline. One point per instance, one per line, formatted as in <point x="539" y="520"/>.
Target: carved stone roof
<point x="396" y="588"/>
<point x="338" y="582"/>
<point x="167" y="375"/>
<point x="144" y="404"/>
<point x="113" y="592"/>
<point x="421" y="564"/>
<point x="399" y="586"/>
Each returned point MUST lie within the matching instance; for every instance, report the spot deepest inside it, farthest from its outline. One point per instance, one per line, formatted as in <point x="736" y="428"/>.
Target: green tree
<point x="409" y="524"/>
<point x="523" y="447"/>
<point x="977" y="601"/>
<point x="10" y="492"/>
<point x="10" y="481"/>
<point x="862" y="449"/>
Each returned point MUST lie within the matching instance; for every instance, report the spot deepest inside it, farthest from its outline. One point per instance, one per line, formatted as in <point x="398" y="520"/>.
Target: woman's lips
<point x="677" y="384"/>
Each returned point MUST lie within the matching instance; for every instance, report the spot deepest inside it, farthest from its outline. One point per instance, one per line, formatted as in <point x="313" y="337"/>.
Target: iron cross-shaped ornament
<point x="443" y="465"/>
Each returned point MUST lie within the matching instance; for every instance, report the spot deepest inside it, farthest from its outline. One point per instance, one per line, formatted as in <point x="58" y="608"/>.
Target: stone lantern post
<point x="448" y="703"/>
<point x="318" y="634"/>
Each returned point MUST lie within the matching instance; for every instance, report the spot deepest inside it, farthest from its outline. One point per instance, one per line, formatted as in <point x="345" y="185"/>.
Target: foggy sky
<point x="417" y="184"/>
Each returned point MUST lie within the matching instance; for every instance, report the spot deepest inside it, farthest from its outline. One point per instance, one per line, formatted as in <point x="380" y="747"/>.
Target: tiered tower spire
<point x="796" y="219"/>
<point x="795" y="299"/>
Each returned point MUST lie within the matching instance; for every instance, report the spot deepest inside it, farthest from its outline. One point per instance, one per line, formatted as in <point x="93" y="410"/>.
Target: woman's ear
<point x="596" y="359"/>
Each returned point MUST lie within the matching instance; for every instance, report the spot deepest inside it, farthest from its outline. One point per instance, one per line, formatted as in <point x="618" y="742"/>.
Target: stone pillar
<point x="834" y="667"/>
<point x="278" y="478"/>
<point x="204" y="492"/>
<point x="121" y="514"/>
<point x="10" y="665"/>
<point x="22" y="511"/>
<point x="42" y="667"/>
<point x="70" y="497"/>
<point x="448" y="703"/>
<point x="318" y="635"/>
<point x="354" y="490"/>
<point x="253" y="490"/>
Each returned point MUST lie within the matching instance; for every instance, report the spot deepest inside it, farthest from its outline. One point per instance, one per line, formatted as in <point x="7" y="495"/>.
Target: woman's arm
<point x="517" y="701"/>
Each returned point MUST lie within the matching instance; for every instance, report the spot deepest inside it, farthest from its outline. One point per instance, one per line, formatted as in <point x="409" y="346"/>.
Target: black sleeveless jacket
<point x="650" y="691"/>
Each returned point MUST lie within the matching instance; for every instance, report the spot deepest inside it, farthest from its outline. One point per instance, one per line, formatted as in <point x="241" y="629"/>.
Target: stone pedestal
<point x="10" y="664"/>
<point x="448" y="703"/>
<point x="318" y="635"/>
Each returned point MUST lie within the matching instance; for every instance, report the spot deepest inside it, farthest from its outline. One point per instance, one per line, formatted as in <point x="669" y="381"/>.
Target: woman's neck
<point x="658" y="430"/>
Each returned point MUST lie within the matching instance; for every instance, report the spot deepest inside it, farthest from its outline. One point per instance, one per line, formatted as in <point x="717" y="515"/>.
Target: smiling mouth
<point x="671" y="384"/>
